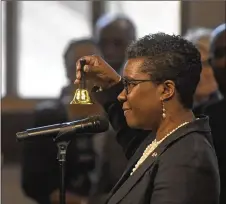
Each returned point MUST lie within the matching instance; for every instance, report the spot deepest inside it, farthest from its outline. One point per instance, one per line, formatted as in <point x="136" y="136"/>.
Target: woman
<point x="179" y="165"/>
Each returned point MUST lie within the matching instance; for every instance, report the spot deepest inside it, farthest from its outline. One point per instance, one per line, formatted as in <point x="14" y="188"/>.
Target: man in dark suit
<point x="40" y="169"/>
<point x="176" y="163"/>
<point x="217" y="111"/>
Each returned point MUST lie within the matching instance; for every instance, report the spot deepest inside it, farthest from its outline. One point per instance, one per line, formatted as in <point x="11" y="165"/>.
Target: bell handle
<point x="83" y="78"/>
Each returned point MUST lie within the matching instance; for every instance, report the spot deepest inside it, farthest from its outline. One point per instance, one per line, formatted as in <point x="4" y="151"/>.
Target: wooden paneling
<point x="202" y="13"/>
<point x="98" y="8"/>
<point x="10" y="124"/>
<point x="15" y="104"/>
<point x="11" y="34"/>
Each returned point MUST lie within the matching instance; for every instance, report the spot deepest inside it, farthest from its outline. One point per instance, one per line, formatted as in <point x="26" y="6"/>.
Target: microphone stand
<point x="61" y="157"/>
<point x="62" y="150"/>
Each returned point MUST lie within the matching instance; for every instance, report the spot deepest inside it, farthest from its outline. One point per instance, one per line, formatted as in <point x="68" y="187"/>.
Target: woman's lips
<point x="126" y="111"/>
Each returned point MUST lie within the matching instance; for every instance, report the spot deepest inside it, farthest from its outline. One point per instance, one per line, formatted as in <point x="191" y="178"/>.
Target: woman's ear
<point x="168" y="90"/>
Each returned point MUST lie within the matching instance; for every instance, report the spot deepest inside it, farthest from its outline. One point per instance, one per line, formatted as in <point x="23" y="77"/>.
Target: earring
<point x="163" y="110"/>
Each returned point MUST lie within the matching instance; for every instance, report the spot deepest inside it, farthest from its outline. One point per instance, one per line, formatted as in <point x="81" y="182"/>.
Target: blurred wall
<point x="202" y="13"/>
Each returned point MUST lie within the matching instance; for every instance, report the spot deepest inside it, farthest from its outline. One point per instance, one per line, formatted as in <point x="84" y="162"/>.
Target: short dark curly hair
<point x="170" y="57"/>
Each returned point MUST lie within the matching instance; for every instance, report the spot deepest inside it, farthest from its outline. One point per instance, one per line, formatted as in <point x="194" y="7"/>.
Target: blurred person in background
<point x="113" y="34"/>
<point x="40" y="168"/>
<point x="217" y="111"/>
<point x="207" y="90"/>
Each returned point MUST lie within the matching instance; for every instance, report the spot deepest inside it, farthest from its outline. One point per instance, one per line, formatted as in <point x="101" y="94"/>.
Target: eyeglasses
<point x="129" y="84"/>
<point x="206" y="63"/>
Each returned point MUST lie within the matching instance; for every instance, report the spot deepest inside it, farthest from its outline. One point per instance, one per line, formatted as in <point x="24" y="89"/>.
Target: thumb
<point x="87" y="68"/>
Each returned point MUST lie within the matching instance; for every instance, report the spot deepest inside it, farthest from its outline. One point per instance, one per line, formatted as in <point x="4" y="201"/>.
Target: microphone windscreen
<point x="21" y="135"/>
<point x="101" y="123"/>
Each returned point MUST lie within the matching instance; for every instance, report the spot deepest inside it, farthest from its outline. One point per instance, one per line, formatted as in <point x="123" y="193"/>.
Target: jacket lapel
<point x="132" y="180"/>
<point x="125" y="184"/>
<point x="131" y="164"/>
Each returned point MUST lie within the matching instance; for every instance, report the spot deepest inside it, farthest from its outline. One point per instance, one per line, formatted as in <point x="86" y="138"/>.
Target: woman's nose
<point x="122" y="97"/>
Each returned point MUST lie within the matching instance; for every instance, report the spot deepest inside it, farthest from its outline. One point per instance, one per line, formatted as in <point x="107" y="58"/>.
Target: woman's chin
<point x="132" y="123"/>
<point x="136" y="124"/>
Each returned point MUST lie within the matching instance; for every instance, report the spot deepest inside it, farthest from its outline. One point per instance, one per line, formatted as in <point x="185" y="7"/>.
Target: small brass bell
<point x="81" y="94"/>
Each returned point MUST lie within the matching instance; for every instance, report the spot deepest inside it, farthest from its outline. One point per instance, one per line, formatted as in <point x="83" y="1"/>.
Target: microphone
<point x="93" y="124"/>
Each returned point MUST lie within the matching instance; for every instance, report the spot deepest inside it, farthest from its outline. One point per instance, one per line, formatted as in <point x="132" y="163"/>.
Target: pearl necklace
<point x="151" y="147"/>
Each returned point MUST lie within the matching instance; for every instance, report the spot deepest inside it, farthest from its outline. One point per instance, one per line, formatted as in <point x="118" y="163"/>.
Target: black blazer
<point x="182" y="170"/>
<point x="216" y="113"/>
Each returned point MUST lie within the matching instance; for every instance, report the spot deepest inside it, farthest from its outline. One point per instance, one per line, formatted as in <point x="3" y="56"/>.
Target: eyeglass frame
<point x="127" y="82"/>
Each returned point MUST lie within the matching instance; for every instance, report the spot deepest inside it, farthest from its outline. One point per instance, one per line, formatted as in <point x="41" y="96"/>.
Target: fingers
<point x="91" y="63"/>
<point x="90" y="60"/>
<point x="90" y="76"/>
<point x="77" y="81"/>
<point x="86" y="68"/>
